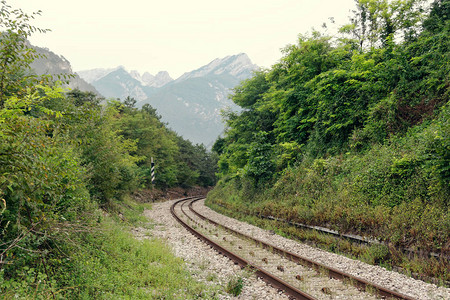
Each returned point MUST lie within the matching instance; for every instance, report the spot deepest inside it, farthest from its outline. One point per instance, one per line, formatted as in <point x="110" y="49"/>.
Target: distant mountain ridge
<point x="239" y="66"/>
<point x="191" y="104"/>
<point x="118" y="83"/>
<point x="95" y="74"/>
<point x="146" y="79"/>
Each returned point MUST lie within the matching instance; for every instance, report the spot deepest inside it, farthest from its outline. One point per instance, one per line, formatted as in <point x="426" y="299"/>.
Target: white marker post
<point x="153" y="171"/>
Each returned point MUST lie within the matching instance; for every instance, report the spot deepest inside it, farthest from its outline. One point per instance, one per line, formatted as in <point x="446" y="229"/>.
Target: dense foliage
<point x="328" y="96"/>
<point x="64" y="154"/>
<point x="351" y="131"/>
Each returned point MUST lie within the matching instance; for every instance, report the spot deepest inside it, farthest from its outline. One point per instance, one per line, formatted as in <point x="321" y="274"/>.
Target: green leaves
<point x="15" y="52"/>
<point x="375" y="22"/>
<point x="332" y="97"/>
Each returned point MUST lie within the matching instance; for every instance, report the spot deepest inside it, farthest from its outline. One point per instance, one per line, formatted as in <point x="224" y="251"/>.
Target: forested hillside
<point x="68" y="163"/>
<point x="351" y="132"/>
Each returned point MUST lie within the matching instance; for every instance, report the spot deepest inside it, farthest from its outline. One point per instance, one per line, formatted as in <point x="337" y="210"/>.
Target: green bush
<point x="234" y="286"/>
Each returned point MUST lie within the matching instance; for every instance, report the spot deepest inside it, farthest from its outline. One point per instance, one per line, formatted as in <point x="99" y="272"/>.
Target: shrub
<point x="234" y="286"/>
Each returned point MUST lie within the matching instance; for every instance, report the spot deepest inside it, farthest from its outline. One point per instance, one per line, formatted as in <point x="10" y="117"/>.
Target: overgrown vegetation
<point x="234" y="286"/>
<point x="351" y="132"/>
<point x="105" y="261"/>
<point x="66" y="160"/>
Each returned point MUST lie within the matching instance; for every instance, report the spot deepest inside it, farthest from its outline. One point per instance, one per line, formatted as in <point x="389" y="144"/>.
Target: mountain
<point x="53" y="64"/>
<point x="95" y="74"/>
<point x="119" y="83"/>
<point x="239" y="66"/>
<point x="191" y="104"/>
<point x="160" y="79"/>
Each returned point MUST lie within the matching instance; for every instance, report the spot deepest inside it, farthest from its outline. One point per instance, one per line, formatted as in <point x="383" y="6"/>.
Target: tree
<point x="15" y="51"/>
<point x="439" y="15"/>
<point x="81" y="98"/>
<point x="375" y="22"/>
<point x="129" y="102"/>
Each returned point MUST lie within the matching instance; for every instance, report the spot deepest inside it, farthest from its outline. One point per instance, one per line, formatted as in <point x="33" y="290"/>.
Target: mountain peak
<point x="160" y="79"/>
<point x="95" y="74"/>
<point x="146" y="79"/>
<point x="239" y="66"/>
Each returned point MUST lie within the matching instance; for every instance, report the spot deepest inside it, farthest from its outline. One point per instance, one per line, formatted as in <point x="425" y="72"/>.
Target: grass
<point x="234" y="286"/>
<point x="107" y="262"/>
<point x="121" y="266"/>
<point x="211" y="277"/>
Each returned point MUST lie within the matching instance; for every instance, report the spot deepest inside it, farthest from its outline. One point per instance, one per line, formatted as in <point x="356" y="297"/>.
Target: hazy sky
<point x="173" y="35"/>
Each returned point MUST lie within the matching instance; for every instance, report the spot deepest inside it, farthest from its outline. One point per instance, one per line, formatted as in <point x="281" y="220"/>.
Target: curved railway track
<point x="299" y="277"/>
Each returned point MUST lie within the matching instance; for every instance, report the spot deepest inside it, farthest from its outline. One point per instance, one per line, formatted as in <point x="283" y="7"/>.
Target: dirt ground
<point x="156" y="195"/>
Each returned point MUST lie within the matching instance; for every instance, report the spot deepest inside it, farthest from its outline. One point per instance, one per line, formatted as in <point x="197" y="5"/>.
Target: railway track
<point x="297" y="276"/>
<point x="444" y="256"/>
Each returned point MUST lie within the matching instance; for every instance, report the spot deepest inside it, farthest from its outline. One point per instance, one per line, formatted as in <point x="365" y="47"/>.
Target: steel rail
<point x="332" y="272"/>
<point x="266" y="276"/>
